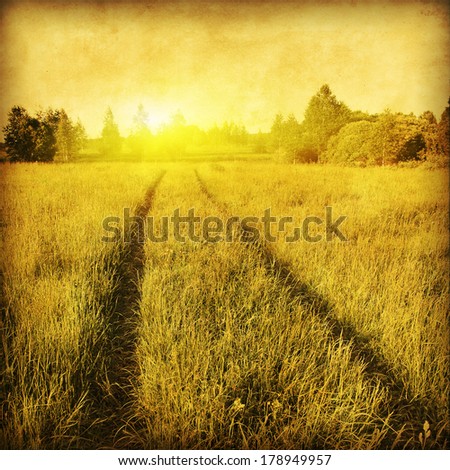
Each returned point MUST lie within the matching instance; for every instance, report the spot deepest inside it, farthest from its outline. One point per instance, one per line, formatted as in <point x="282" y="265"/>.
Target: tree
<point x="260" y="142"/>
<point x="444" y="131"/>
<point x="353" y="144"/>
<point x="69" y="137"/>
<point x="29" y="138"/>
<point x="80" y="136"/>
<point x="291" y="135"/>
<point x="277" y="132"/>
<point x="361" y="116"/>
<point x="385" y="135"/>
<point x="413" y="145"/>
<point x="324" y="116"/>
<point x="286" y="136"/>
<point x="399" y="138"/>
<point x="65" y="137"/>
<point x="391" y="139"/>
<point x="429" y="130"/>
<point x="111" y="142"/>
<point x="18" y="136"/>
<point x="238" y="134"/>
<point x="45" y="141"/>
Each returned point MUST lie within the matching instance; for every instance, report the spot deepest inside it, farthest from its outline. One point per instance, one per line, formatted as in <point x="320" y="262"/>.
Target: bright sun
<point x="157" y="118"/>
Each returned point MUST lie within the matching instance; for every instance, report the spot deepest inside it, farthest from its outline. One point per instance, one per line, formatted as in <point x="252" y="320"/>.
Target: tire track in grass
<point x="113" y="397"/>
<point x="405" y="413"/>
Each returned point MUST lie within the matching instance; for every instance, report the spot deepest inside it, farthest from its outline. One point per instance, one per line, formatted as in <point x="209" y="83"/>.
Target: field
<point x="325" y="342"/>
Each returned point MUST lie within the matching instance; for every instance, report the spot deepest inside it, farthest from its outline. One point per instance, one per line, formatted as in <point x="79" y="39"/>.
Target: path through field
<point x="114" y="410"/>
<point x="377" y="369"/>
<point x="165" y="338"/>
<point x="122" y="419"/>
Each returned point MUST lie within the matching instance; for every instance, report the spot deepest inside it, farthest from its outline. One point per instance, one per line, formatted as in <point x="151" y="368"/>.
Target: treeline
<point x="45" y="137"/>
<point x="331" y="132"/>
<point x="177" y="138"/>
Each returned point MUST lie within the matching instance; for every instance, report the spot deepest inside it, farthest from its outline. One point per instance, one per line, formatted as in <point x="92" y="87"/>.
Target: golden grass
<point x="226" y="352"/>
<point x="389" y="281"/>
<point x="57" y="282"/>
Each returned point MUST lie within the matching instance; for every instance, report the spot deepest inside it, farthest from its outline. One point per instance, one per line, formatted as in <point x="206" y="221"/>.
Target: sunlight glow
<point x="226" y="61"/>
<point x="157" y="119"/>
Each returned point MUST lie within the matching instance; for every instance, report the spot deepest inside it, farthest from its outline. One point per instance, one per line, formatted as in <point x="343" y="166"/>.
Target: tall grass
<point x="231" y="359"/>
<point x="228" y="352"/>
<point x="57" y="288"/>
<point x="389" y="281"/>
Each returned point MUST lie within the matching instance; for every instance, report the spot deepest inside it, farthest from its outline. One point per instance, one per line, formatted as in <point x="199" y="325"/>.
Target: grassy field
<point x="246" y="344"/>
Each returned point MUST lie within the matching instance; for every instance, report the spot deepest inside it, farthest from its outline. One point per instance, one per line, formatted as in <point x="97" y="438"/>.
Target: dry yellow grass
<point x="57" y="286"/>
<point x="225" y="350"/>
<point x="389" y="281"/>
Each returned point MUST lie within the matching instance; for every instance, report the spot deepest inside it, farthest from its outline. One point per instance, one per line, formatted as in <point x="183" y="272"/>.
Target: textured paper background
<point x="222" y="60"/>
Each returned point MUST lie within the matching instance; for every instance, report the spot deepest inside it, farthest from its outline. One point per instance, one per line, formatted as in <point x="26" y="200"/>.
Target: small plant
<point x="425" y="435"/>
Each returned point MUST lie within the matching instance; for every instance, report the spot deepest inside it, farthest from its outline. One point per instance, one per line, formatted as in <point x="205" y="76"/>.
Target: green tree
<point x="111" y="141"/>
<point x="399" y="137"/>
<point x="285" y="137"/>
<point x="70" y="137"/>
<point x="391" y="139"/>
<point x="385" y="134"/>
<point x="361" y="116"/>
<point x="80" y="136"/>
<point x="65" y="137"/>
<point x="236" y="134"/>
<point x="429" y="130"/>
<point x="29" y="138"/>
<point x="260" y="142"/>
<point x="444" y="132"/>
<point x="291" y="135"/>
<point x="353" y="144"/>
<point x="18" y="136"/>
<point x="324" y="116"/>
<point x="277" y="132"/>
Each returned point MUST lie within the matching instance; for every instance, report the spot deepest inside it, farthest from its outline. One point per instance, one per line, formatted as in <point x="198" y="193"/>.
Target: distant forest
<point x="330" y="133"/>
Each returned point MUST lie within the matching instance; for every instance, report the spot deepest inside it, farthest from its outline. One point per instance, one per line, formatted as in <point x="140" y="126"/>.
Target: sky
<point x="221" y="60"/>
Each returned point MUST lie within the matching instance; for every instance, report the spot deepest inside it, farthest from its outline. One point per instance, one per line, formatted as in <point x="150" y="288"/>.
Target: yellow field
<point x="240" y="344"/>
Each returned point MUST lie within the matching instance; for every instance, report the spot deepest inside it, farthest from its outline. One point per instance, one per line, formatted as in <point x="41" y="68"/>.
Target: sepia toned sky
<point x="221" y="60"/>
